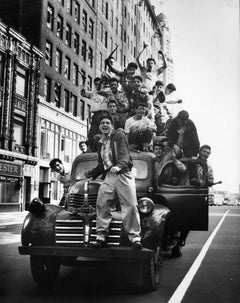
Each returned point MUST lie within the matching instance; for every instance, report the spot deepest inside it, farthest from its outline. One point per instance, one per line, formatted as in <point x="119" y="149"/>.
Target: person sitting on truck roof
<point x="139" y="129"/>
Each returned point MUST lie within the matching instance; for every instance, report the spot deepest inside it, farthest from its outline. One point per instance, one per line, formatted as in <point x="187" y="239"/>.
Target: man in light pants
<point x="115" y="165"/>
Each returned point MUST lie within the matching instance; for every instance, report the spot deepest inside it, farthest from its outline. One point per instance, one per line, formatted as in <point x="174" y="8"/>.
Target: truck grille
<point x="77" y="233"/>
<point x="76" y="201"/>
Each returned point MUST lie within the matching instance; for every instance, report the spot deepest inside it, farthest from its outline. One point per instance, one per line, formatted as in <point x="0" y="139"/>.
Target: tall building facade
<point x="76" y="37"/>
<point x="19" y="89"/>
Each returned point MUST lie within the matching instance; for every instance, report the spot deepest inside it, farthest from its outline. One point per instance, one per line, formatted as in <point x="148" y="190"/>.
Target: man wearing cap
<point x="115" y="165"/>
<point x="190" y="142"/>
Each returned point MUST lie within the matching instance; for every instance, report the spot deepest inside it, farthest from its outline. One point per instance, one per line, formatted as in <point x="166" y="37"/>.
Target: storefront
<point x="11" y="179"/>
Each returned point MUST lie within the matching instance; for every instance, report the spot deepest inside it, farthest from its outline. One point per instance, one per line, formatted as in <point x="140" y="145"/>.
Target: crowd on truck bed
<point x="151" y="116"/>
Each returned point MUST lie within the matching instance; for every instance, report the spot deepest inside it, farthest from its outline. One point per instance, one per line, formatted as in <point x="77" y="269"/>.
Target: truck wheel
<point x="44" y="270"/>
<point x="176" y="251"/>
<point x="150" y="271"/>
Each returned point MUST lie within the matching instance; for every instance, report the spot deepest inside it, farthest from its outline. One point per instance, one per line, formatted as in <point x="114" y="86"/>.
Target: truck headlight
<point x="145" y="205"/>
<point x="37" y="207"/>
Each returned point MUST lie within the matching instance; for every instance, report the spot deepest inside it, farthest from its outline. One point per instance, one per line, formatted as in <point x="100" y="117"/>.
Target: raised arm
<point x="107" y="63"/>
<point x="164" y="66"/>
<point x="138" y="61"/>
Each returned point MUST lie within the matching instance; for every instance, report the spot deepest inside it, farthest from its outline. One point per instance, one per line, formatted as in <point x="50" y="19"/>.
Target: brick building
<point x="76" y="37"/>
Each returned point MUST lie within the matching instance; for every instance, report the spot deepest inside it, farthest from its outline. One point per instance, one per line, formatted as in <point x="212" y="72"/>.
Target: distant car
<point x="53" y="235"/>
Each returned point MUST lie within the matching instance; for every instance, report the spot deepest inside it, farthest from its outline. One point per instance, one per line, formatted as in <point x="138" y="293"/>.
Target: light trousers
<point x="121" y="186"/>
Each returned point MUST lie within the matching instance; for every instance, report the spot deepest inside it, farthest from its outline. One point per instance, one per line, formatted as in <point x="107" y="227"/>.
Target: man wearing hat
<point x="115" y="165"/>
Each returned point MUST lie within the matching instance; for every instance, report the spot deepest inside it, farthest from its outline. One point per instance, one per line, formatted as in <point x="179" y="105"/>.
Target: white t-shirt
<point x="132" y="123"/>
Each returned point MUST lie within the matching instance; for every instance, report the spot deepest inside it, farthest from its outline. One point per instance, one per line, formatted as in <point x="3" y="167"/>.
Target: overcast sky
<point x="205" y="50"/>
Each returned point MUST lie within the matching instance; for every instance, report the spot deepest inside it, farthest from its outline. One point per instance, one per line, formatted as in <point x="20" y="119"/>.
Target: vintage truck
<point x="54" y="235"/>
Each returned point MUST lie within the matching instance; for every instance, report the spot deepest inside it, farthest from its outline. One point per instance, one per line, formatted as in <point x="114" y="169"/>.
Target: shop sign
<point x="10" y="169"/>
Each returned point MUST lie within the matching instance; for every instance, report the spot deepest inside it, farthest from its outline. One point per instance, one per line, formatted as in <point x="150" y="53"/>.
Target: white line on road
<point x="183" y="286"/>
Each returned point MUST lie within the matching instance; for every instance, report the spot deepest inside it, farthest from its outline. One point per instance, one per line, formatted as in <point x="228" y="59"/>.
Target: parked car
<point x="54" y="235"/>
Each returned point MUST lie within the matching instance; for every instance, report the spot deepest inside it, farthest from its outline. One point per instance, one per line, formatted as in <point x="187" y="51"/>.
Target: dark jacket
<point x="191" y="142"/>
<point x="120" y="153"/>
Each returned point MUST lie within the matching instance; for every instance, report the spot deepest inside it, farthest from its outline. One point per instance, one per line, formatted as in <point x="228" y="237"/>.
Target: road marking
<point x="183" y="286"/>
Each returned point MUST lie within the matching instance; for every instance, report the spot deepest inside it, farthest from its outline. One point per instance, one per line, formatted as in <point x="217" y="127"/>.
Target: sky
<point x="205" y="51"/>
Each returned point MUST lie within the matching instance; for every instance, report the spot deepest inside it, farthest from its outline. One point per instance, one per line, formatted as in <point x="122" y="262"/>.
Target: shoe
<point x="99" y="244"/>
<point x="195" y="181"/>
<point x="137" y="245"/>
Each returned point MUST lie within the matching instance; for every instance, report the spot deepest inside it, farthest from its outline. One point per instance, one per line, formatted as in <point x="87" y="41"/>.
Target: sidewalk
<point x="12" y="218"/>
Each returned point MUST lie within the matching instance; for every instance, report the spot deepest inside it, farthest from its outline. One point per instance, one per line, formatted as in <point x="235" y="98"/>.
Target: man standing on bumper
<point x="115" y="164"/>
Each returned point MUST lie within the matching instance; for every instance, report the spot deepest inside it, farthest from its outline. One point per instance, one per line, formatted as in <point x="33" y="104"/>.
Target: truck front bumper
<point x="114" y="253"/>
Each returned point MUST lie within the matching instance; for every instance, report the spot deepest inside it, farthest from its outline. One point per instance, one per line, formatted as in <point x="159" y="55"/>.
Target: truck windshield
<point x="140" y="169"/>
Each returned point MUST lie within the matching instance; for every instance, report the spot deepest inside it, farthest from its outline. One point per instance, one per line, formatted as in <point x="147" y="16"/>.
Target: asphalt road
<point x="208" y="271"/>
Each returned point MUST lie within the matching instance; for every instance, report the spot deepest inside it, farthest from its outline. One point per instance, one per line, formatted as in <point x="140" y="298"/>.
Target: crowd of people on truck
<point x="131" y="110"/>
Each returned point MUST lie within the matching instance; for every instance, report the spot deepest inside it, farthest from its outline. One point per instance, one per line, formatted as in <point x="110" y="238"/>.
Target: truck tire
<point x="150" y="271"/>
<point x="44" y="270"/>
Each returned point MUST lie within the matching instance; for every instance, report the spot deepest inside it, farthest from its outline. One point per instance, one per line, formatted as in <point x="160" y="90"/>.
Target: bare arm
<point x="164" y="66"/>
<point x="138" y="61"/>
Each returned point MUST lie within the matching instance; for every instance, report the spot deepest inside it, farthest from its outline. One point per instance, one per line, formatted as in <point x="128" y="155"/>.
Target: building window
<point x="48" y="54"/>
<point x="90" y="56"/>
<point x="89" y="83"/>
<point x="59" y="27"/>
<point x="91" y="28"/>
<point x="47" y="89"/>
<point x="84" y="50"/>
<point x="76" y="43"/>
<point x="57" y="94"/>
<point x="58" y="67"/>
<point x="111" y="39"/>
<point x="74" y="105"/>
<point x="84" y="20"/>
<point x="101" y="32"/>
<point x="106" y="11"/>
<point x="66" y="100"/>
<point x="19" y="126"/>
<point x="68" y="35"/>
<point x="92" y="3"/>
<point x="67" y="63"/>
<point x="21" y="81"/>
<point x="82" y="108"/>
<point x="88" y="112"/>
<point x="117" y="26"/>
<point x="77" y="12"/>
<point x="125" y="11"/>
<point x="124" y="36"/>
<point x="83" y="77"/>
<point x="69" y="6"/>
<point x="101" y="61"/>
<point x="106" y="39"/>
<point x="50" y="17"/>
<point x="111" y="17"/>
<point x="75" y="74"/>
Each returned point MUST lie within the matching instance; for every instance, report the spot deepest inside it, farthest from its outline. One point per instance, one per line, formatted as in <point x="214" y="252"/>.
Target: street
<point x="208" y="270"/>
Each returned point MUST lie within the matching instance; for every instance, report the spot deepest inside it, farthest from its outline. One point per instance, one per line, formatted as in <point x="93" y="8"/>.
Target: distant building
<point x="19" y="89"/>
<point x="76" y="37"/>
